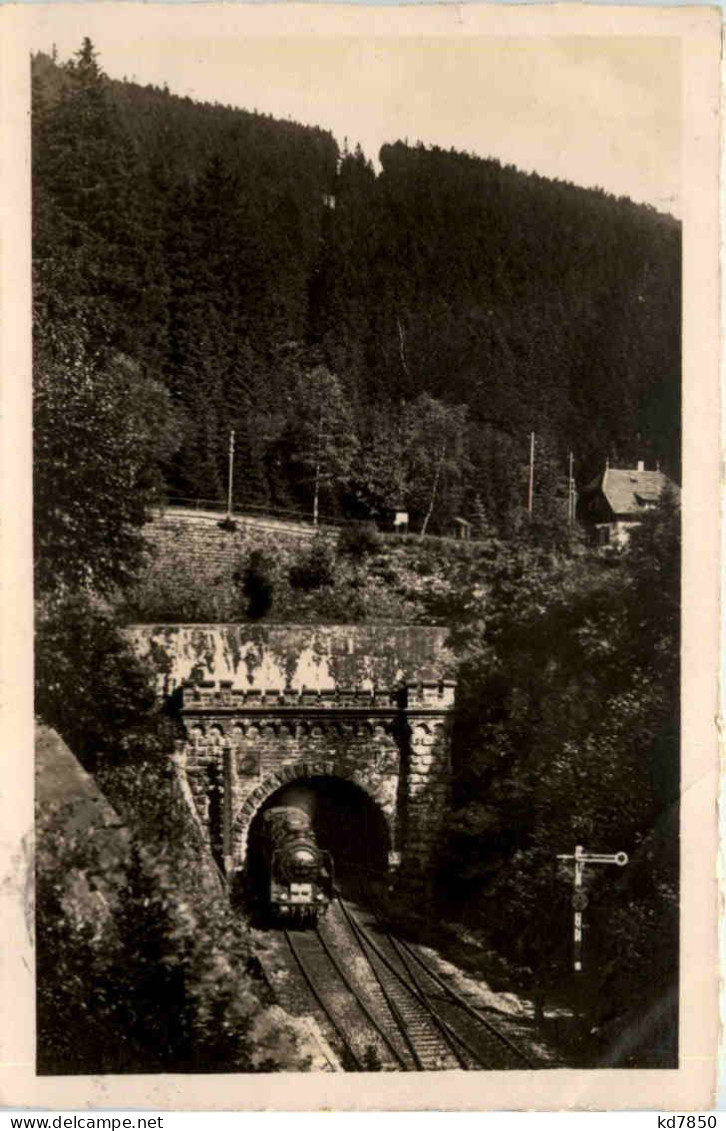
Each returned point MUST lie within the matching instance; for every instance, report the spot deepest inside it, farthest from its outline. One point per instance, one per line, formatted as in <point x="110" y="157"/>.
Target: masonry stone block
<point x="302" y="702"/>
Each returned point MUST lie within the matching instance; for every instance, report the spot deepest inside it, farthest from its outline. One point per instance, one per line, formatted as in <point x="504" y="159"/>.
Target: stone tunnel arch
<point x="314" y="774"/>
<point x="346" y="821"/>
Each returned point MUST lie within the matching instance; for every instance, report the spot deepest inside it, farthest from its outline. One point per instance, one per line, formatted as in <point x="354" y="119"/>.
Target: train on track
<point x="295" y="880"/>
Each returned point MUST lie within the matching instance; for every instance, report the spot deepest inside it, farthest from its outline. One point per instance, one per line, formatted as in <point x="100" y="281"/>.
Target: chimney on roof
<point x="641" y="465"/>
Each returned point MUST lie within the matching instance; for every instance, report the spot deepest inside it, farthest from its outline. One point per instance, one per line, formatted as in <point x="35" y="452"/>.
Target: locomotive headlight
<point x="283" y="895"/>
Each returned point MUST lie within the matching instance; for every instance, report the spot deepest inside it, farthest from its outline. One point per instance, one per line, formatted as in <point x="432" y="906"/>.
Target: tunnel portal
<point x="346" y="822"/>
<point x="359" y="714"/>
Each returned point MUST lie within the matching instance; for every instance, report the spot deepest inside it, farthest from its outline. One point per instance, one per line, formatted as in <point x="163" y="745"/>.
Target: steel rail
<point x="314" y="990"/>
<point x="450" y="1037"/>
<point x="359" y="1001"/>
<point x="455" y="997"/>
<point x="395" y="1011"/>
<point x="448" y="1030"/>
<point x="471" y="1052"/>
<point x="465" y="1005"/>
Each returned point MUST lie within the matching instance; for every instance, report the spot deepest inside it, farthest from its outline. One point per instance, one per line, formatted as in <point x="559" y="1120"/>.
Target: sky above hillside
<point x="598" y="111"/>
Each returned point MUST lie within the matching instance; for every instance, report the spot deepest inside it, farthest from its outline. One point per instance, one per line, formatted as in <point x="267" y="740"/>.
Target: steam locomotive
<point x="296" y="876"/>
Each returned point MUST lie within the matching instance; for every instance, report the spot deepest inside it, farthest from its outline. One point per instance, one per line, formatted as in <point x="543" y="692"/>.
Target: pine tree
<point x="84" y="164"/>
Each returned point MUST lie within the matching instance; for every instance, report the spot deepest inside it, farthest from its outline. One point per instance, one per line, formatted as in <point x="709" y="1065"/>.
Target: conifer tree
<point x="83" y="161"/>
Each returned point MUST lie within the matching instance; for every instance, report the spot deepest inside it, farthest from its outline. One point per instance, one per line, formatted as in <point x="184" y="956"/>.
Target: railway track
<point x="492" y="1048"/>
<point x="473" y="1040"/>
<point x="385" y="1007"/>
<point x="430" y="1045"/>
<point x="486" y="1044"/>
<point x="363" y="1040"/>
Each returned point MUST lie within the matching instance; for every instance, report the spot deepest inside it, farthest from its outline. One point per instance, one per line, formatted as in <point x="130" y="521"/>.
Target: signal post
<point x="579" y="902"/>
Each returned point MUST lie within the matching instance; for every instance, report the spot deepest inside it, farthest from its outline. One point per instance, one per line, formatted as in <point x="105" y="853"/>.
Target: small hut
<point x="460" y="529"/>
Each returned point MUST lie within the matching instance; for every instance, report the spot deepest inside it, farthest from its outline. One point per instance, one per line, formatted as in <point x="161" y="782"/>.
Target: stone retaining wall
<point x="192" y="562"/>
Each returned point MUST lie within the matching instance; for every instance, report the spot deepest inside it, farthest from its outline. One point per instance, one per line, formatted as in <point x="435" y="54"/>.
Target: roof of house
<point x="627" y="491"/>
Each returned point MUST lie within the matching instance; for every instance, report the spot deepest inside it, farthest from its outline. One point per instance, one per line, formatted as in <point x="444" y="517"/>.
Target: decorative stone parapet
<point x="210" y="696"/>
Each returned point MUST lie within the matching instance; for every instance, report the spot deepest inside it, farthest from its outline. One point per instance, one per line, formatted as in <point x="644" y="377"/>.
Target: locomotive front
<point x="300" y="873"/>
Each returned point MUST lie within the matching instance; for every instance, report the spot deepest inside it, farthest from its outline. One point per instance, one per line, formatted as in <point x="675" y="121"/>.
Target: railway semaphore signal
<point x="579" y="897"/>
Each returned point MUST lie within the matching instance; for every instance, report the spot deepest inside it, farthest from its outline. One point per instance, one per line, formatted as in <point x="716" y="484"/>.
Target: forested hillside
<point x="392" y="337"/>
<point x="401" y="332"/>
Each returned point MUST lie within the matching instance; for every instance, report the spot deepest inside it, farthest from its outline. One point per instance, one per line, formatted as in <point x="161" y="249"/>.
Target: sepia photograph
<point x="358" y="487"/>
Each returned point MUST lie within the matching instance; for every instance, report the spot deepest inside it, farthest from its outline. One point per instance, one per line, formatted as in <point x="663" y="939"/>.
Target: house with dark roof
<point x="617" y="499"/>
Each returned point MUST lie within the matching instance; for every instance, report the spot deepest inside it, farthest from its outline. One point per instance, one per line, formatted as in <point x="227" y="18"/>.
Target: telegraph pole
<point x="530" y="494"/>
<point x="230" y="475"/>
<point x="571" y="495"/>
<point x="318" y="458"/>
